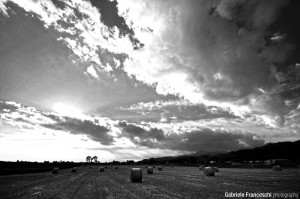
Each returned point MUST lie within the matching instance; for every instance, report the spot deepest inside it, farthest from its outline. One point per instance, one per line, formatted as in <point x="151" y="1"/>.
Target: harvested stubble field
<point x="177" y="182"/>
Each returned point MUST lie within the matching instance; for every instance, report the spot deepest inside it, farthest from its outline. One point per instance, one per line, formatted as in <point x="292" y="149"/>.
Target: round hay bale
<point x="101" y="169"/>
<point x="136" y="175"/>
<point x="159" y="168"/>
<point x="277" y="168"/>
<point x="150" y="170"/>
<point x="208" y="171"/>
<point x="216" y="169"/>
<point x="116" y="167"/>
<point x="55" y="170"/>
<point x="74" y="169"/>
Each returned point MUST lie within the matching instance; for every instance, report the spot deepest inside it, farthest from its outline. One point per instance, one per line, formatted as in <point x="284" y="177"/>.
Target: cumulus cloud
<point x="91" y="71"/>
<point x="180" y="137"/>
<point x="3" y="8"/>
<point x="96" y="128"/>
<point x="81" y="28"/>
<point x="224" y="69"/>
<point x="16" y="114"/>
<point x="133" y="131"/>
<point x="38" y="69"/>
<point x="200" y="140"/>
<point x="8" y="106"/>
<point x="87" y="127"/>
<point x="206" y="140"/>
<point x="173" y="111"/>
<point x="219" y="53"/>
<point x="152" y="134"/>
<point x="211" y="52"/>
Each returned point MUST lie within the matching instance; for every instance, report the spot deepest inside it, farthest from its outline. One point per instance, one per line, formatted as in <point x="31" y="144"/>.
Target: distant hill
<point x="280" y="150"/>
<point x="200" y="153"/>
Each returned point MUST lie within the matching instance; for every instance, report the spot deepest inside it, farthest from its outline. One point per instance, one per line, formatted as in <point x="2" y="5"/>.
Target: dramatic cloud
<point x="3" y="9"/>
<point x="218" y="53"/>
<point x="95" y="128"/>
<point x="133" y="131"/>
<point x="108" y="132"/>
<point x="150" y="77"/>
<point x="76" y="126"/>
<point x="39" y="66"/>
<point x="200" y="140"/>
<point x="171" y="111"/>
<point x="206" y="140"/>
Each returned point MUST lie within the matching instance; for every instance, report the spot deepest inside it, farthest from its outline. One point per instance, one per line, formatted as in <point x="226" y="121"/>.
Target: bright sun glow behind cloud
<point x="66" y="110"/>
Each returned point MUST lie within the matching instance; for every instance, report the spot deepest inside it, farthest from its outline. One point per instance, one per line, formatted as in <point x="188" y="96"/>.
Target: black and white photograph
<point x="142" y="99"/>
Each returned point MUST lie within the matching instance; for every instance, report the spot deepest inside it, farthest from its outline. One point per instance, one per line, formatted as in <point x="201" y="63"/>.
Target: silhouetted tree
<point x="88" y="159"/>
<point x="95" y="158"/>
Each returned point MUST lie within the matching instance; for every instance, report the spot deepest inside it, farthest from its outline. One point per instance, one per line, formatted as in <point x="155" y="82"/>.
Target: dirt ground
<point x="176" y="182"/>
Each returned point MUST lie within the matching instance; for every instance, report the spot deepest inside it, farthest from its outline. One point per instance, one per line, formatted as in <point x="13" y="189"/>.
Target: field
<point x="177" y="182"/>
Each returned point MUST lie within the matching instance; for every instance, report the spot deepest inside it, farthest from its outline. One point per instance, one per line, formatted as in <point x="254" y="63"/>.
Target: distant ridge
<point x="280" y="150"/>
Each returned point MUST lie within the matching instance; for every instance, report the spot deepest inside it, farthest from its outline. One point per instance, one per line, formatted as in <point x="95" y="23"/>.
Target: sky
<point x="129" y="80"/>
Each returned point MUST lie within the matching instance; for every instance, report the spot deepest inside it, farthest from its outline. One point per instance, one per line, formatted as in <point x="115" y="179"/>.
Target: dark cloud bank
<point x="202" y="140"/>
<point x="86" y="127"/>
